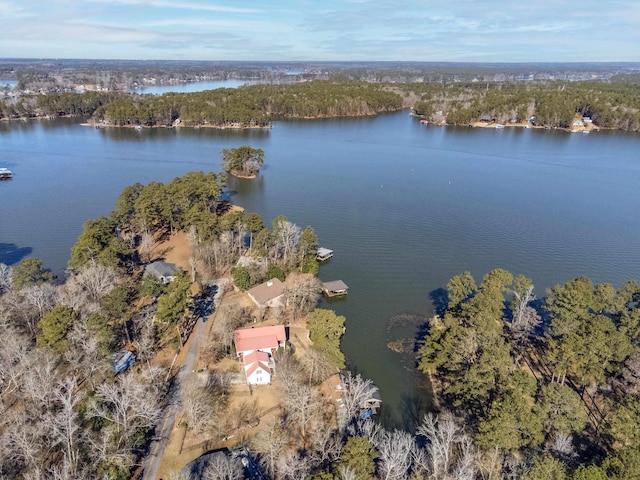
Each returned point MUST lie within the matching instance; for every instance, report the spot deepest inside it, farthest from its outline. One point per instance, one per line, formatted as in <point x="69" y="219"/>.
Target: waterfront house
<point x="255" y="348"/>
<point x="268" y="294"/>
<point x="266" y="339"/>
<point x="163" y="271"/>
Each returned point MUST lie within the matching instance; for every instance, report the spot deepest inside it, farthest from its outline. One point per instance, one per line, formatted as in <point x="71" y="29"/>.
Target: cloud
<point x="419" y="30"/>
<point x="177" y="5"/>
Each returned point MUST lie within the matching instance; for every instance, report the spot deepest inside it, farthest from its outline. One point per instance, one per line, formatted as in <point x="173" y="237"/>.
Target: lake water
<point x="404" y="206"/>
<point x="192" y="87"/>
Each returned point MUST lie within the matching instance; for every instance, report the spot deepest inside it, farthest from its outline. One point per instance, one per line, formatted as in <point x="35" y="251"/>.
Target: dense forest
<point x="553" y="384"/>
<point x="552" y="104"/>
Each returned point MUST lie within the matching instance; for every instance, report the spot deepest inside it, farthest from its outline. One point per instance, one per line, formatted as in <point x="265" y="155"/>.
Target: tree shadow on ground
<point x="10" y="253"/>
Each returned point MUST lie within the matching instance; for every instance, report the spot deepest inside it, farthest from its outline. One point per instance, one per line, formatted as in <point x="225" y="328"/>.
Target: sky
<point x="323" y="30"/>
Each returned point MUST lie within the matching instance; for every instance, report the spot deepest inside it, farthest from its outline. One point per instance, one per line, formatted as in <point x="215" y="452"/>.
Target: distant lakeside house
<point x="255" y="348"/>
<point x="163" y="271"/>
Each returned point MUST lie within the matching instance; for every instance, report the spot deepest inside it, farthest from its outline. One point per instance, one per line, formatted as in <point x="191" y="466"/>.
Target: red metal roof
<point x="254" y="338"/>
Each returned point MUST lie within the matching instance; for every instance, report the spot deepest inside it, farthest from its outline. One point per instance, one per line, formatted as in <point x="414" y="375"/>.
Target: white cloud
<point x="177" y="5"/>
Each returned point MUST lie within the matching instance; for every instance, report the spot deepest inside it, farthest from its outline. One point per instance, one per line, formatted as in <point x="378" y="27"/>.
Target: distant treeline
<point x="554" y="104"/>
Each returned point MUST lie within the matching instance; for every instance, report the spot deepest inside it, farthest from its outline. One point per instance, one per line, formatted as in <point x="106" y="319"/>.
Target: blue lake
<point x="405" y="207"/>
<point x="192" y="87"/>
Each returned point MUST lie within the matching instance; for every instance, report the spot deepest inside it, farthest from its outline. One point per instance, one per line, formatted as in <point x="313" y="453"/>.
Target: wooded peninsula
<point x="614" y="104"/>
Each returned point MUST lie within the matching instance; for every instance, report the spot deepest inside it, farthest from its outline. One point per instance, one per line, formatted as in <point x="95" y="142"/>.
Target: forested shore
<point x="552" y="104"/>
<point x="553" y="381"/>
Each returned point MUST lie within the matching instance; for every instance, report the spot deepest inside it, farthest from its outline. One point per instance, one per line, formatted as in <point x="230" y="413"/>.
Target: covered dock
<point x="323" y="254"/>
<point x="5" y="174"/>
<point x="335" y="288"/>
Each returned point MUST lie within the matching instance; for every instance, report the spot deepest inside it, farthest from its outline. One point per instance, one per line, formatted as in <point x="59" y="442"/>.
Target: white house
<point x="258" y="368"/>
<point x="255" y="348"/>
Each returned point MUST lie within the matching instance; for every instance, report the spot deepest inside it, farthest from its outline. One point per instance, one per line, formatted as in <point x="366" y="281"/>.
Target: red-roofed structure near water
<point x="255" y="347"/>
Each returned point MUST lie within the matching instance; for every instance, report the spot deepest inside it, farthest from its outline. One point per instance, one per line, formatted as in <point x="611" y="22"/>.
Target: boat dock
<point x="323" y="254"/>
<point x="5" y="174"/>
<point x="335" y="288"/>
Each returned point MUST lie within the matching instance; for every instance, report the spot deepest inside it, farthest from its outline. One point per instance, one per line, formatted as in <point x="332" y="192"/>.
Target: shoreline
<point x="196" y="127"/>
<point x="477" y="124"/>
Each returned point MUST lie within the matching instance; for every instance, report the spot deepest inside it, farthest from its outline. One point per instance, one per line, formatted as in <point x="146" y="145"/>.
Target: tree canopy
<point x="243" y="161"/>
<point x="325" y="330"/>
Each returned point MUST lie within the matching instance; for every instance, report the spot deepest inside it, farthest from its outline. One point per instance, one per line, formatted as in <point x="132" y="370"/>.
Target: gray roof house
<point x="163" y="271"/>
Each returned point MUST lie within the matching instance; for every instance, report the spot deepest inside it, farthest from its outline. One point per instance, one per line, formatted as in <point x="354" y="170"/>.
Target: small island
<point x="243" y="162"/>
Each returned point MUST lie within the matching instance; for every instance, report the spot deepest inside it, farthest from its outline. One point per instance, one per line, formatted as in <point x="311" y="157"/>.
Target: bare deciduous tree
<point x="563" y="446"/>
<point x="450" y="452"/>
<point x="395" y="449"/>
<point x="316" y="366"/>
<point x="303" y="407"/>
<point x="292" y="465"/>
<point x="62" y="423"/>
<point x="223" y="467"/>
<point x="97" y="280"/>
<point x="228" y="320"/>
<point x="39" y="379"/>
<point x="147" y="244"/>
<point x="23" y="442"/>
<point x="5" y="278"/>
<point x="345" y="473"/>
<point x="287" y="239"/>
<point x="145" y="335"/>
<point x="42" y="297"/>
<point x="355" y="391"/>
<point x="525" y="317"/>
<point x="127" y="405"/>
<point x="16" y="311"/>
<point x="326" y="447"/>
<point x="212" y="258"/>
<point x="14" y="349"/>
<point x="270" y="444"/>
<point x="86" y="359"/>
<point x="302" y="293"/>
<point x="197" y="404"/>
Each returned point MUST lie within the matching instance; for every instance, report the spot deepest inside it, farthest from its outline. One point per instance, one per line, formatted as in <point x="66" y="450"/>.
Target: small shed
<point x="323" y="254"/>
<point x="163" y="271"/>
<point x="335" y="288"/>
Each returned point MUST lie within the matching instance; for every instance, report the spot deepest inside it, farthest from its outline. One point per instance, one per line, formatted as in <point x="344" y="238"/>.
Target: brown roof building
<point x="268" y="294"/>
